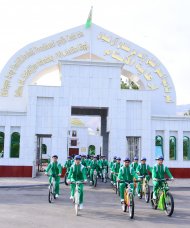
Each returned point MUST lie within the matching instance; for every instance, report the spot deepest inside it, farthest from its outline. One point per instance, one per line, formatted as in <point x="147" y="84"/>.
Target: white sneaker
<point x="71" y="198"/>
<point x="81" y="206"/>
<point x="56" y="196"/>
<point x="154" y="197"/>
<point x="139" y="195"/>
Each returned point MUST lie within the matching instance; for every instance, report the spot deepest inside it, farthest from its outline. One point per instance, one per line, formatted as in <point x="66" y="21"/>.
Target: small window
<point x="44" y="149"/>
<point x="159" y="146"/>
<point x="15" y="145"/>
<point x="172" y="148"/>
<point x="74" y="133"/>
<point x="73" y="142"/>
<point x="2" y="139"/>
<point x="186" y="148"/>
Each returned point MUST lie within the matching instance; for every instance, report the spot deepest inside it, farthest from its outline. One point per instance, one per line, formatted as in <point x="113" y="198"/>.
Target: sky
<point x="160" y="26"/>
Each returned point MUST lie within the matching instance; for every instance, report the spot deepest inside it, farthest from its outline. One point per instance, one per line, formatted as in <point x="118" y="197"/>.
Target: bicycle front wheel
<point x="169" y="204"/>
<point x="76" y="209"/>
<point x="66" y="175"/>
<point x="131" y="205"/>
<point x="50" y="195"/>
<point x="147" y="194"/>
<point x="95" y="182"/>
<point x="153" y="202"/>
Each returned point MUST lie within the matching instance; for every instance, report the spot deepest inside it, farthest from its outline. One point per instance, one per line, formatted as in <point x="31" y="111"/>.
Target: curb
<point x="27" y="186"/>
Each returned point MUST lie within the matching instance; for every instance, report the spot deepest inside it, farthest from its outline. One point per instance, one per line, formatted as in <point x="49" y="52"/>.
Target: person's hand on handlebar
<point x="155" y="179"/>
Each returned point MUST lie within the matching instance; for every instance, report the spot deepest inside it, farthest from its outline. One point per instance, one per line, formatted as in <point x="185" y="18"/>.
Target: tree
<point x="187" y="113"/>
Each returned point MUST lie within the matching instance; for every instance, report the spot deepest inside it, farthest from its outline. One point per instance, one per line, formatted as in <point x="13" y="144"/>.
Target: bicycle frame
<point x="164" y="188"/>
<point x="77" y="195"/>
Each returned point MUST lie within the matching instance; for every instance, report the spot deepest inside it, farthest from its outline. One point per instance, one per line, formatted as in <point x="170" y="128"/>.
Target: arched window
<point x="172" y="148"/>
<point x="44" y="149"/>
<point x="91" y="150"/>
<point x="159" y="146"/>
<point x="186" y="148"/>
<point x="2" y="139"/>
<point x="15" y="145"/>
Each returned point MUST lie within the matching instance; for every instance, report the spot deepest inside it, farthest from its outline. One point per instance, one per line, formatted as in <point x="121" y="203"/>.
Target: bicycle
<point x="76" y="199"/>
<point x="104" y="174"/>
<point x="145" y="188"/>
<point x="65" y="179"/>
<point x="94" y="178"/>
<point x="128" y="204"/>
<point x="164" y="197"/>
<point x="117" y="188"/>
<point x="51" y="193"/>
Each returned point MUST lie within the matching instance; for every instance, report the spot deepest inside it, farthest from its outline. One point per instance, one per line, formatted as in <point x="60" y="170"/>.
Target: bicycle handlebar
<point x="78" y="182"/>
<point x="143" y="176"/>
<point x="52" y="175"/>
<point x="162" y="180"/>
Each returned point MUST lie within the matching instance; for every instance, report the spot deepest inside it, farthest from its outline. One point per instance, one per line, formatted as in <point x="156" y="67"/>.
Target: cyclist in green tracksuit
<point x="158" y="172"/>
<point x="142" y="170"/>
<point x="115" y="169"/>
<point x="55" y="169"/>
<point x="83" y="160"/>
<point x="103" y="163"/>
<point x="94" y="165"/>
<point x="111" y="166"/>
<point x="77" y="173"/>
<point x="68" y="163"/>
<point x="126" y="174"/>
<point x="88" y="162"/>
<point x="134" y="164"/>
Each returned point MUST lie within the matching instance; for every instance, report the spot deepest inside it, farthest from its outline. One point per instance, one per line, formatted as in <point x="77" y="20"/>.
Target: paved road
<point x="29" y="208"/>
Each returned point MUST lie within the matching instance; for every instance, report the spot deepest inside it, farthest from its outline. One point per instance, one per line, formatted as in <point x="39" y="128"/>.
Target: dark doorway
<point x="96" y="111"/>
<point x="73" y="151"/>
<point x="40" y="151"/>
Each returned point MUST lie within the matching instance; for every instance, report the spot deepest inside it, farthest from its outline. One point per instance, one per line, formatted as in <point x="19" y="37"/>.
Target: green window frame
<point x="159" y="146"/>
<point x="15" y="145"/>
<point x="186" y="148"/>
<point x="2" y="142"/>
<point x="172" y="148"/>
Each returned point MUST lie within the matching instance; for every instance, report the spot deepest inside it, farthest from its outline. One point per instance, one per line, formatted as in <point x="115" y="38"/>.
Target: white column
<point x="166" y="145"/>
<point x="7" y="142"/>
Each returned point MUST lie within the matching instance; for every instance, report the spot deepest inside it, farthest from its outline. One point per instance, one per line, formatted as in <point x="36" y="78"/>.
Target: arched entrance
<point x="91" y="150"/>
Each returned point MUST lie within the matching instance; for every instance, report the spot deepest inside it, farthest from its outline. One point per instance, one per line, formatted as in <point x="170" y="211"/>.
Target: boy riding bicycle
<point x="158" y="172"/>
<point x="77" y="173"/>
<point x="126" y="174"/>
<point x="142" y="170"/>
<point x="55" y="170"/>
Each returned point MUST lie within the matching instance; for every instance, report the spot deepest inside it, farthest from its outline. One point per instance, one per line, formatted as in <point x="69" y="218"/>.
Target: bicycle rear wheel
<point x="169" y="204"/>
<point x="147" y="194"/>
<point x="131" y="205"/>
